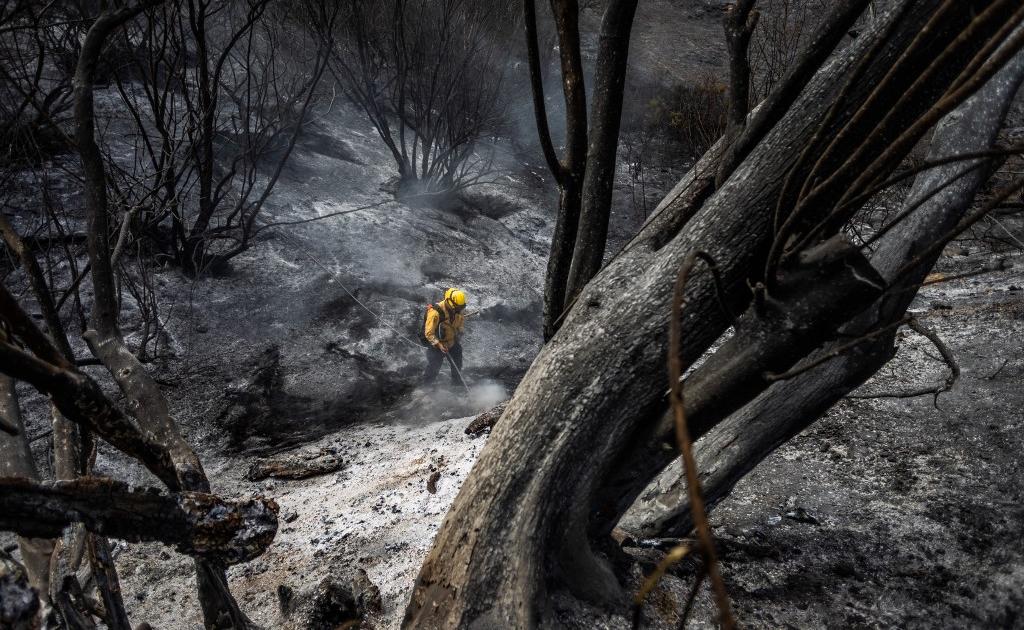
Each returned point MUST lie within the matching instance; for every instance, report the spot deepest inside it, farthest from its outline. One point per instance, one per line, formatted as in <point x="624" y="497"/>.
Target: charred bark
<point x="161" y="447"/>
<point x="104" y="314"/>
<point x="603" y="142"/>
<point x="20" y="600"/>
<point x="747" y="437"/>
<point x="107" y="583"/>
<point x="295" y="467"/>
<point x="571" y="169"/>
<point x="16" y="461"/>
<point x="71" y="447"/>
<point x="80" y="399"/>
<point x="194" y="523"/>
<point x="519" y="526"/>
<point x="831" y="284"/>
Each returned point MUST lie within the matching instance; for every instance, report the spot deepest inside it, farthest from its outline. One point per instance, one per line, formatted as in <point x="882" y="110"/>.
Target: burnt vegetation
<point x="730" y="252"/>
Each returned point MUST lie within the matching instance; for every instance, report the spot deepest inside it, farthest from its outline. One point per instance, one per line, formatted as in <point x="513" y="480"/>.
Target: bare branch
<point x="537" y="86"/>
<point x="935" y="390"/>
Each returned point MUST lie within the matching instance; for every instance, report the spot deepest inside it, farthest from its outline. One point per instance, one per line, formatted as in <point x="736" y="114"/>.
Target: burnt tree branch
<point x="934" y="390"/>
<point x="195" y="523"/>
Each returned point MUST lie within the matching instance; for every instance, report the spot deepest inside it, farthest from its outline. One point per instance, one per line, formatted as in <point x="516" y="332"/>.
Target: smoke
<point x="486" y="394"/>
<point x="447" y="401"/>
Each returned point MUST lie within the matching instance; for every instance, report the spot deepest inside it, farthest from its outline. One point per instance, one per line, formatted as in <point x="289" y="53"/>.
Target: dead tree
<point x="215" y="531"/>
<point x="536" y="511"/>
<point x="938" y="201"/>
<point x="740" y="21"/>
<point x="72" y="455"/>
<point x="586" y="175"/>
<point x="162" y="448"/>
<point x="219" y="96"/>
<point x="429" y="76"/>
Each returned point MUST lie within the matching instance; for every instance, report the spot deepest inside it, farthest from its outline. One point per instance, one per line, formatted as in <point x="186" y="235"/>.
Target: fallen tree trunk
<point x="519" y="526"/>
<point x="302" y="466"/>
<point x="746" y="438"/>
<point x="194" y="523"/>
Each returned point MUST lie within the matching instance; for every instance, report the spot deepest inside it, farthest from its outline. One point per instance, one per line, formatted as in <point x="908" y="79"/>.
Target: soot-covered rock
<point x="332" y="603"/>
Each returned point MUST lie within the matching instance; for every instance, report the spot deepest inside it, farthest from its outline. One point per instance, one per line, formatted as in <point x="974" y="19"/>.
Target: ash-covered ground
<point x="889" y="512"/>
<point x="886" y="513"/>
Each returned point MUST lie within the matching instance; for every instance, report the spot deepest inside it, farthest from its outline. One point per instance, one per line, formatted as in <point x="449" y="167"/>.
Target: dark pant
<point x="435" y="358"/>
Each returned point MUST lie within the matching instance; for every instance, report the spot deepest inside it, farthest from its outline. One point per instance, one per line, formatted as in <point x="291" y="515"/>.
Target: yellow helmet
<point x="456" y="298"/>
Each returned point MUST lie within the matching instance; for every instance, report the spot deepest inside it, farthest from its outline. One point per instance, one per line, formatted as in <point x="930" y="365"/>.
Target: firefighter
<point x="442" y="329"/>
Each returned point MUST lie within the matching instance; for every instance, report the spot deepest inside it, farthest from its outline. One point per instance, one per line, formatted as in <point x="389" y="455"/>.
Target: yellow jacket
<point x="443" y="325"/>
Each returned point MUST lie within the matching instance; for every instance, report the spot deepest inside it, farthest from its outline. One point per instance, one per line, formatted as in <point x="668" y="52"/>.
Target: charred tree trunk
<point x="107" y="582"/>
<point x="193" y="249"/>
<point x="740" y="20"/>
<point x="16" y="461"/>
<point x="568" y="172"/>
<point x="519" y="526"/>
<point x="747" y="437"/>
<point x="605" y="119"/>
<point x="219" y="607"/>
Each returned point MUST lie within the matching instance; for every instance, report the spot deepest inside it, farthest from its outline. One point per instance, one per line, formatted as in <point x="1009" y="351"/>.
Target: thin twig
<point x="44" y="434"/>
<point x="74" y="285"/>
<point x="675" y="370"/>
<point x="322" y="217"/>
<point x="674" y="556"/>
<point x="906" y="212"/>
<point x="1004" y="228"/>
<point x="691" y="597"/>
<point x="947" y="357"/>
